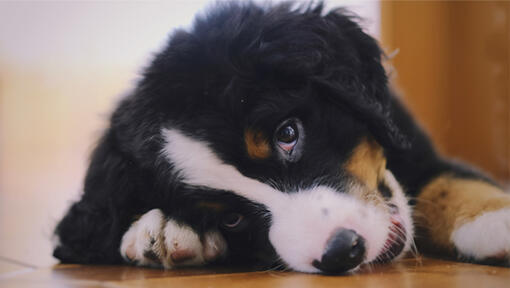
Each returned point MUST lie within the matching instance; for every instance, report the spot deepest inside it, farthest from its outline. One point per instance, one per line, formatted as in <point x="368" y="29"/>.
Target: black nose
<point x="344" y="251"/>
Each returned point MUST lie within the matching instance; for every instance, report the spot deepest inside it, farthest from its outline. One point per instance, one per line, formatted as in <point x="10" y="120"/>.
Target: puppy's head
<point x="286" y="109"/>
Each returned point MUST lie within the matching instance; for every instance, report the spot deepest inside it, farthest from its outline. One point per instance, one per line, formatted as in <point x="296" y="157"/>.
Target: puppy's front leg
<point x="157" y="241"/>
<point x="468" y="217"/>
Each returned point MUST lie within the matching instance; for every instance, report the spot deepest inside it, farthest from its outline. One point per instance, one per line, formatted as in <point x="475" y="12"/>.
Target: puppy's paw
<point x="154" y="240"/>
<point x="485" y="239"/>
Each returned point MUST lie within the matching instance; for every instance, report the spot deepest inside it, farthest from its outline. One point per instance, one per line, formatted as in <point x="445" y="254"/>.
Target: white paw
<point x="486" y="237"/>
<point x="156" y="241"/>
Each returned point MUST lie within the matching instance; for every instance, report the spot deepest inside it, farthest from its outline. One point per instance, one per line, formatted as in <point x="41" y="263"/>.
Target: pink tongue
<point x="396" y="219"/>
<point x="396" y="230"/>
<point x="395" y="242"/>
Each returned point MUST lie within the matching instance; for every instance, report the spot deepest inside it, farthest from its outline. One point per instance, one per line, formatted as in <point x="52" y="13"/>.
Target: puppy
<point x="268" y="136"/>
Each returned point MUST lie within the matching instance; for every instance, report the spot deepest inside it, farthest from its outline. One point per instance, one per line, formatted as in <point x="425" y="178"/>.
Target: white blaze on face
<point x="302" y="222"/>
<point x="300" y="231"/>
<point x="198" y="165"/>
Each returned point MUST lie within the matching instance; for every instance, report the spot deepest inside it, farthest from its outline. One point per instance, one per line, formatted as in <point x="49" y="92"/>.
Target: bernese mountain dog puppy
<point x="268" y="135"/>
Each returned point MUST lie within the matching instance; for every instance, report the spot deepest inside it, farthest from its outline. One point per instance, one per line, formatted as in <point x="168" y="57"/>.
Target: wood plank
<point x="405" y="273"/>
<point x="9" y="268"/>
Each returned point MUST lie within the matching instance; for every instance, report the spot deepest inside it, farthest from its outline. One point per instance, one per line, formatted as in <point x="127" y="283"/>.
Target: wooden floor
<point x="406" y="273"/>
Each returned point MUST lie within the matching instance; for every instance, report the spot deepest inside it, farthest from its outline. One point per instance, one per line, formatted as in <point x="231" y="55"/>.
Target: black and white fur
<point x="171" y="182"/>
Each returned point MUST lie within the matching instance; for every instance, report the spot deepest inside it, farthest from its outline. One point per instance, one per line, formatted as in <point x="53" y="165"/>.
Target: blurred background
<point x="64" y="65"/>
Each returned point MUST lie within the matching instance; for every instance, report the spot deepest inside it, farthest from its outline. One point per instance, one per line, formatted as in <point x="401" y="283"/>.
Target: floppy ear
<point x="91" y="230"/>
<point x="365" y="90"/>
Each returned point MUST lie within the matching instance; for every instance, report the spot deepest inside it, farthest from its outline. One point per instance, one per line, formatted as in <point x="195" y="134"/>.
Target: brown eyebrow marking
<point x="211" y="205"/>
<point x="257" y="144"/>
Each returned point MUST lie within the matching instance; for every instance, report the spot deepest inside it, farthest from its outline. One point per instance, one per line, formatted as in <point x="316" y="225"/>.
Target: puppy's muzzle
<point x="344" y="251"/>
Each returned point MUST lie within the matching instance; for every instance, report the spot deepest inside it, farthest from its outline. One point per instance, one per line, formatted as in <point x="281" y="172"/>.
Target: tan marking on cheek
<point x="367" y="163"/>
<point x="448" y="202"/>
<point x="257" y="145"/>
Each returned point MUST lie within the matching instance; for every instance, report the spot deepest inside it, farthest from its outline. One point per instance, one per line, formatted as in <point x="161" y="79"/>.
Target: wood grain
<point x="405" y="273"/>
<point x="453" y="68"/>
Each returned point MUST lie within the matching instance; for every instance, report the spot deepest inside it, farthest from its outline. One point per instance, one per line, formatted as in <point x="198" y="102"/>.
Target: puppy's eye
<point x="232" y="220"/>
<point x="287" y="136"/>
<point x="289" y="139"/>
